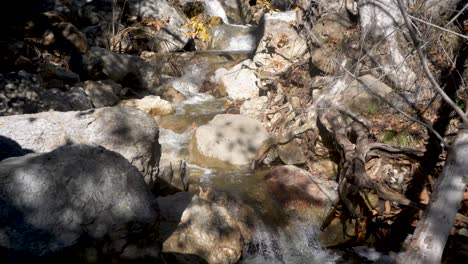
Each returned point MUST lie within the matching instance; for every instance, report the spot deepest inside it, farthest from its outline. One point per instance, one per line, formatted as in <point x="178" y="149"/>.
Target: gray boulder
<point x="73" y="100"/>
<point x="50" y="201"/>
<point x="132" y="71"/>
<point x="127" y="131"/>
<point x="172" y="36"/>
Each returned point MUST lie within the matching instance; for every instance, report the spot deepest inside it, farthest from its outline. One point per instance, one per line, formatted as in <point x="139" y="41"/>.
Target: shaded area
<point x="10" y="148"/>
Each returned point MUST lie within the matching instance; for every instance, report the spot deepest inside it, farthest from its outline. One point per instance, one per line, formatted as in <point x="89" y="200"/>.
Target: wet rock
<point x="102" y="93"/>
<point x="171" y="94"/>
<point x="73" y="100"/>
<point x="243" y="213"/>
<point x="254" y="107"/>
<point x="363" y="101"/>
<point x="280" y="45"/>
<point x="152" y="105"/>
<point x="338" y="232"/>
<point x="292" y="153"/>
<point x="127" y="131"/>
<point x="131" y="71"/>
<point x="239" y="82"/>
<point x="204" y="230"/>
<point x="172" y="37"/>
<point x="304" y="196"/>
<point x="50" y="201"/>
<point x="227" y="140"/>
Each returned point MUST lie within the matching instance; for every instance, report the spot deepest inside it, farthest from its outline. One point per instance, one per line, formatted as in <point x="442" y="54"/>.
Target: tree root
<point x="353" y="141"/>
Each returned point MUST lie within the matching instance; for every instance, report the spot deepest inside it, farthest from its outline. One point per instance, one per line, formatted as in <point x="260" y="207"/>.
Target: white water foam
<point x="214" y="8"/>
<point x="296" y="244"/>
<point x="172" y="142"/>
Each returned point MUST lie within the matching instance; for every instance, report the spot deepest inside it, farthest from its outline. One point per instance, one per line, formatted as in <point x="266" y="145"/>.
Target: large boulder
<point x="227" y="140"/>
<point x="238" y="82"/>
<point x="280" y="45"/>
<point x="198" y="231"/>
<point x="100" y="64"/>
<point x="304" y="196"/>
<point x="172" y="36"/>
<point x="57" y="200"/>
<point x="127" y="131"/>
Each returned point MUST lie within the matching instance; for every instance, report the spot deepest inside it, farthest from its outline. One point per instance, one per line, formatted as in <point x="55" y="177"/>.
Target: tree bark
<point x="432" y="231"/>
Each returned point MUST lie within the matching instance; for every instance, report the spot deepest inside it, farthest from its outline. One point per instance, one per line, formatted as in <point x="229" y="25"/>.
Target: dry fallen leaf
<point x="424" y="196"/>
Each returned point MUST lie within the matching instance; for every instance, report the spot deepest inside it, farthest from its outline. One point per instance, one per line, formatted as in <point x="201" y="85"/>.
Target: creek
<point x="276" y="237"/>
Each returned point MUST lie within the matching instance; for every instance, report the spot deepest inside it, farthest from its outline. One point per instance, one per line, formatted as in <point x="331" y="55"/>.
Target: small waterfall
<point x="189" y="84"/>
<point x="297" y="243"/>
<point x="214" y="8"/>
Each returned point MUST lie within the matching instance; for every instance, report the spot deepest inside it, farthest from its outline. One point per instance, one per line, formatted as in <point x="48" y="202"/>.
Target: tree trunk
<point x="432" y="231"/>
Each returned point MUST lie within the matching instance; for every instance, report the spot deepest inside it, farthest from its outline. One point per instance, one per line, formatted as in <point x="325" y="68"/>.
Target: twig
<point x="439" y="27"/>
<point x="425" y="64"/>
<point x="429" y="127"/>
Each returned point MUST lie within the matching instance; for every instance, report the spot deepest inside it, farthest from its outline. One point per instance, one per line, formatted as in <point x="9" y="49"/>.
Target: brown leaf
<point x="424" y="196"/>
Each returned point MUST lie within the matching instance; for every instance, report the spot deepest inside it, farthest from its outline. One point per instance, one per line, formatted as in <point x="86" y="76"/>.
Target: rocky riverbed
<point x="183" y="131"/>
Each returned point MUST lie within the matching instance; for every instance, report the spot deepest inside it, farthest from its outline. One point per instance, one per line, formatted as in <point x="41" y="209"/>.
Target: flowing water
<point x="276" y="237"/>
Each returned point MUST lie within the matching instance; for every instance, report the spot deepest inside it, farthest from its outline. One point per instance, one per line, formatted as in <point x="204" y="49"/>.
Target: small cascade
<point x="295" y="243"/>
<point x="214" y="8"/>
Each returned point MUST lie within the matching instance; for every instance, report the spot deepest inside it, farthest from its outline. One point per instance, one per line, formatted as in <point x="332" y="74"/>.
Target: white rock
<point x="239" y="81"/>
<point x="280" y="44"/>
<point x="151" y="104"/>
<point x="229" y="139"/>
<point x="254" y="107"/>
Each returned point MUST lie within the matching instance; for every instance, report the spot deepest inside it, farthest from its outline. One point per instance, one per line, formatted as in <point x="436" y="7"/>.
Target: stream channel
<point x="276" y="238"/>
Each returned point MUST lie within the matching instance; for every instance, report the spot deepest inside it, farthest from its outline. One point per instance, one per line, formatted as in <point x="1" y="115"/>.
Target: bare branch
<point x="425" y="64"/>
<point x="429" y="127"/>
<point x="438" y="27"/>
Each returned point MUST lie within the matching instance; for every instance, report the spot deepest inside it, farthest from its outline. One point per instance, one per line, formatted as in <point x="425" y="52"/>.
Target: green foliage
<point x="460" y="103"/>
<point x="402" y="139"/>
<point x="372" y="108"/>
